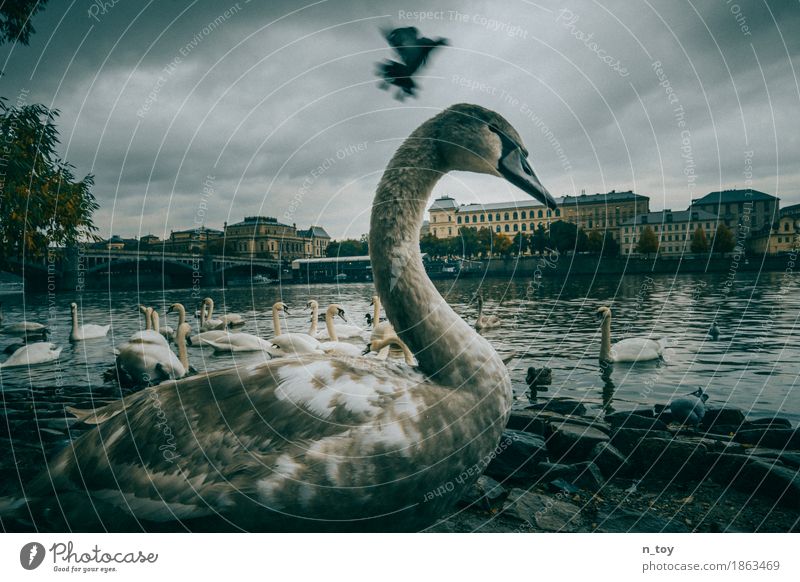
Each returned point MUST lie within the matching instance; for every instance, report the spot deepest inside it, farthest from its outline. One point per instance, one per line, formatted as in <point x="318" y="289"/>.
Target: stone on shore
<point x="758" y="476"/>
<point x="670" y="458"/>
<point x="560" y="406"/>
<point x="770" y="437"/>
<point x="546" y="512"/>
<point x="572" y="441"/>
<point x="634" y="420"/>
<point x="628" y="439"/>
<point x="585" y="475"/>
<point x="519" y="459"/>
<point x="773" y="421"/>
<point x="722" y="416"/>
<point x="609" y="460"/>
<point x="621" y="520"/>
<point x="485" y="494"/>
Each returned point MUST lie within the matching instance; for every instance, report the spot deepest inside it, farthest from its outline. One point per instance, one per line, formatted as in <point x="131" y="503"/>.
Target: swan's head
<point x="73" y="306"/>
<point x="174" y="307"/>
<point x="603" y="313"/>
<point x="312" y="304"/>
<point x="335" y="309"/>
<point x="292" y="345"/>
<point x="280" y="306"/>
<point x="471" y="138"/>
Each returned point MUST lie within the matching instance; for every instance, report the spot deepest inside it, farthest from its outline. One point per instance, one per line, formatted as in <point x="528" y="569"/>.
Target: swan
<point x="26" y="328"/>
<point x="382" y="347"/>
<point x="288" y="344"/>
<point x="149" y="334"/>
<point x="318" y="442"/>
<point x="485" y="321"/>
<point x="333" y="345"/>
<point x="87" y="330"/>
<point x="238" y="342"/>
<point x="342" y="331"/>
<point x="30" y="354"/>
<point x="632" y="349"/>
<point x="207" y="323"/>
<point x="374" y="318"/>
<point x="383" y="330"/>
<point x="143" y="363"/>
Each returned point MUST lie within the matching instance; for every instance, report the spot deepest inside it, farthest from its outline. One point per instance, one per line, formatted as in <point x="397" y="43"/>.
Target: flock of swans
<point x="320" y="436"/>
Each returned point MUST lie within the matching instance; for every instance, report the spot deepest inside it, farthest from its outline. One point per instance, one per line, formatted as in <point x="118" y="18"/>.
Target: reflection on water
<point x="752" y="365"/>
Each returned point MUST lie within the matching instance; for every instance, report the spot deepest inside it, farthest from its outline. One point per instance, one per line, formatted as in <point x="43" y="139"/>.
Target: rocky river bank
<point x="565" y="468"/>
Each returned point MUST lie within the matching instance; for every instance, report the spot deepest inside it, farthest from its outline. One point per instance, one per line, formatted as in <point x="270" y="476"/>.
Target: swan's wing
<point x="232" y="441"/>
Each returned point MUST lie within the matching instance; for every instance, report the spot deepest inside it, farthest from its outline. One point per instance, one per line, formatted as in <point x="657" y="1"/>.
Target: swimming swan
<point x="318" y="442"/>
<point x="207" y="322"/>
<point x="87" y="330"/>
<point x="30" y="354"/>
<point x="27" y="328"/>
<point x="485" y="321"/>
<point x="632" y="349"/>
<point x="342" y="331"/>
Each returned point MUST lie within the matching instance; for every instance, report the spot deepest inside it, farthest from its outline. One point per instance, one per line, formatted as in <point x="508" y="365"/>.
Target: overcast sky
<point x="176" y="107"/>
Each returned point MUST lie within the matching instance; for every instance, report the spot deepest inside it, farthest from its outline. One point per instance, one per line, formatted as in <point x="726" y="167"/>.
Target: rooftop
<point x="792" y="210"/>
<point x="604" y="198"/>
<point x="729" y="196"/>
<point x="314" y="231"/>
<point x="444" y="203"/>
<point x="668" y="216"/>
<point x="256" y="220"/>
<point x="448" y="203"/>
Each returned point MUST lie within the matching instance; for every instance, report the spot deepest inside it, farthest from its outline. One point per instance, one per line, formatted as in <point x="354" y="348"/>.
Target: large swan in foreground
<point x="318" y="442"/>
<point x="87" y="330"/>
<point x="632" y="349"/>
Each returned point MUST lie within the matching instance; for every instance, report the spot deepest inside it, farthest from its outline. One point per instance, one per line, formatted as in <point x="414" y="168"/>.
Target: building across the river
<point x="265" y="237"/>
<point x="745" y="212"/>
<point x="589" y="211"/>
<point x="674" y="229"/>
<point x="782" y="236"/>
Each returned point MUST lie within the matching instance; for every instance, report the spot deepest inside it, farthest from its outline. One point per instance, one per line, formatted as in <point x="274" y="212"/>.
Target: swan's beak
<point x="515" y="168"/>
<point x="366" y="350"/>
<point x="286" y="310"/>
<point x="341" y="314"/>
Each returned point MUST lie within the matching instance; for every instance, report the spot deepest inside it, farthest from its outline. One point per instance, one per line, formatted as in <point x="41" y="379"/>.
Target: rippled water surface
<point x="753" y="365"/>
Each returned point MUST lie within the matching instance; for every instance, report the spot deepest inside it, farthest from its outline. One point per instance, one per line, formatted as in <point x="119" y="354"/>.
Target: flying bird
<point x="413" y="51"/>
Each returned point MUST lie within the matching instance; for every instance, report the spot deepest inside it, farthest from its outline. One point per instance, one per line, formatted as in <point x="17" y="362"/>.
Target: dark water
<point x="753" y="365"/>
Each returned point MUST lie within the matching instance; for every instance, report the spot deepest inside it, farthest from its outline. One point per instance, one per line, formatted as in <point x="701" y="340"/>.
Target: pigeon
<point x="689" y="409"/>
<point x="413" y="51"/>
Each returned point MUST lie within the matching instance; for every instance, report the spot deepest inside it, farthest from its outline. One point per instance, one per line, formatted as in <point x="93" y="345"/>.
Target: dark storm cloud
<point x="281" y="112"/>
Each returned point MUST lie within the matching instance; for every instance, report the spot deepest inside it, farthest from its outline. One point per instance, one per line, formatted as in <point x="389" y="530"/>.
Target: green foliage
<point x="564" y="236"/>
<point x="348" y="247"/>
<point x="648" y="242"/>
<point x="539" y="239"/>
<point x="594" y="243"/>
<point x="723" y="239"/>
<point x="610" y="245"/>
<point x="15" y="20"/>
<point x="42" y="203"/>
<point x="521" y="243"/>
<point x="699" y="241"/>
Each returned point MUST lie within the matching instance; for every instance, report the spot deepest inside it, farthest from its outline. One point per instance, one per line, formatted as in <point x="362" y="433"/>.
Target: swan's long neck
<point x="314" y="316"/>
<point x="148" y="318"/>
<point x="605" y="339"/>
<point x="156" y="320"/>
<point x="480" y="307"/>
<point x="376" y="310"/>
<point x="181" y="314"/>
<point x="276" y="320"/>
<point x="183" y="355"/>
<point x="210" y="309"/>
<point x="448" y="350"/>
<point x="74" y="320"/>
<point x="329" y="325"/>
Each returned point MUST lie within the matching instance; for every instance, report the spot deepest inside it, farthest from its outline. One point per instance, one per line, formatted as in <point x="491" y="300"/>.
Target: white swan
<point x="632" y="349"/>
<point x="26" y="328"/>
<point x="342" y="331"/>
<point x="164" y="330"/>
<point x="87" y="330"/>
<point x="319" y="442"/>
<point x="229" y="320"/>
<point x="384" y="330"/>
<point x="238" y="342"/>
<point x="149" y="334"/>
<point x="333" y="345"/>
<point x="289" y="344"/>
<point x="381" y="347"/>
<point x="30" y="354"/>
<point x="485" y="321"/>
<point x="143" y="363"/>
<point x="207" y="322"/>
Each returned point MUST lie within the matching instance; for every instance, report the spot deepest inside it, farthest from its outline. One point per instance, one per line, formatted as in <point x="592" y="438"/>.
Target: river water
<point x="753" y="365"/>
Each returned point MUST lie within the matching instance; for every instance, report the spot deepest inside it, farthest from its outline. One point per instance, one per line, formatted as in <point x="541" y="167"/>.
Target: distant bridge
<point x="91" y="267"/>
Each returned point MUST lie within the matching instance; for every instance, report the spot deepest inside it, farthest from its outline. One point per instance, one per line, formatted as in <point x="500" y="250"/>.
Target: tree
<point x="563" y="235"/>
<point x="501" y="244"/>
<point x="539" y="239"/>
<point x="723" y="240"/>
<point x="15" y="20"/>
<point x="348" y="247"/>
<point x="648" y="242"/>
<point x="521" y="243"/>
<point x="470" y="245"/>
<point x="41" y="203"/>
<point x="594" y="242"/>
<point x="610" y="245"/>
<point x="485" y="241"/>
<point x="699" y="241"/>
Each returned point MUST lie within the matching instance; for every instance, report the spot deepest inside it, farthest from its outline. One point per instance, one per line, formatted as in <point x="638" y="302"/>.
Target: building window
<point x="459" y="220"/>
<point x="506" y="215"/>
<point x="515" y="216"/>
<point x="497" y="216"/>
<point x="524" y="227"/>
<point x="523" y="215"/>
<point x="548" y="213"/>
<point x="532" y="227"/>
<point x="497" y="228"/>
<point x="558" y="212"/>
<point x="540" y="214"/>
<point x="474" y="218"/>
<point x="515" y="228"/>
<point x="506" y="228"/>
<point x="483" y="218"/>
<point x="449" y="230"/>
<point x="490" y="217"/>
